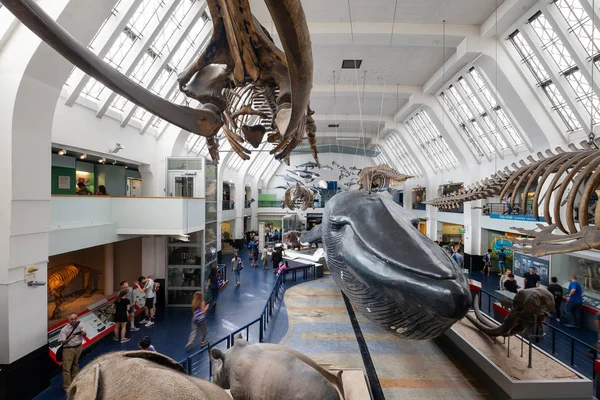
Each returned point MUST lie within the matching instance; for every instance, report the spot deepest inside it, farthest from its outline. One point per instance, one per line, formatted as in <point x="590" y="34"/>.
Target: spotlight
<point x="126" y="167"/>
<point x="83" y="156"/>
<point x="102" y="161"/>
<point x="114" y="162"/>
<point x="62" y="152"/>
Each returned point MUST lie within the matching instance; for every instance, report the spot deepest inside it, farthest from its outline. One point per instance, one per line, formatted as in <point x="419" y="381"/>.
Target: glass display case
<point x="587" y="272"/>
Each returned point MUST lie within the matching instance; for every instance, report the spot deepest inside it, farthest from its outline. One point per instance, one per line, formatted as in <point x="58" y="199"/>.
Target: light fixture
<point x="102" y="160"/>
<point x="126" y="167"/>
<point x="83" y="156"/>
<point x="62" y="152"/>
<point x="114" y="162"/>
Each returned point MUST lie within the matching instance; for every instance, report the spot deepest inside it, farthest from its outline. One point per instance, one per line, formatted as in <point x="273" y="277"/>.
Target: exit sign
<point x="462" y="230"/>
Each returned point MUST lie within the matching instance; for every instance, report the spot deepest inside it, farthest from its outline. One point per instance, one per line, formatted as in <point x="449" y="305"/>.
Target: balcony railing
<point x="247" y="204"/>
<point x="228" y="205"/>
<point x="277" y="203"/>
<point x="419" y="206"/>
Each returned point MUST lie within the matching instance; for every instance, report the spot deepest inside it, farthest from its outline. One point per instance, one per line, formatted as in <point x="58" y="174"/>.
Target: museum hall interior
<point x="300" y="199"/>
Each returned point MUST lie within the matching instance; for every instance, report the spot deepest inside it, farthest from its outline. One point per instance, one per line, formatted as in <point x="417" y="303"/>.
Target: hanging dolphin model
<point x="309" y="164"/>
<point x="326" y="167"/>
<point x="393" y="274"/>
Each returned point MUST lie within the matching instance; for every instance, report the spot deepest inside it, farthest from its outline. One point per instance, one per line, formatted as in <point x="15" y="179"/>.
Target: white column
<point x="472" y="236"/>
<point x="31" y="77"/>
<point x="109" y="268"/>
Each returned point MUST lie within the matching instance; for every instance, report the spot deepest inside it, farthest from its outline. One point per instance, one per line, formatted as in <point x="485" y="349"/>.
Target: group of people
<point x="72" y="334"/>
<point x="574" y="294"/>
<point x="487" y="262"/>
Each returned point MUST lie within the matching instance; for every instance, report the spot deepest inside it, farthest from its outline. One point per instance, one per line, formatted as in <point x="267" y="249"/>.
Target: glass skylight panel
<point x="483" y="88"/>
<point x="543" y="79"/>
<point x="147" y="12"/>
<point x="93" y="89"/>
<point x="580" y="24"/>
<point x="401" y="156"/>
<point x="435" y="162"/>
<point x="471" y="96"/>
<point x="496" y="137"/>
<point x="584" y="94"/>
<point x="460" y="103"/>
<point x="462" y="127"/>
<point x="482" y="136"/>
<point x="551" y="43"/>
<point x="432" y="141"/>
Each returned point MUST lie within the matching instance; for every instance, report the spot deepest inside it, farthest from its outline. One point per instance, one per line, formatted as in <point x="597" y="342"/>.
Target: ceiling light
<point x="351" y="64"/>
<point x="126" y="167"/>
<point x="114" y="162"/>
<point x="62" y="152"/>
<point x="83" y="156"/>
<point x="102" y="161"/>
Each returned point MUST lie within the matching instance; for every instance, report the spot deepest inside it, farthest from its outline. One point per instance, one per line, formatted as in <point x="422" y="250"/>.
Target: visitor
<point x="510" y="284"/>
<point x="150" y="288"/>
<point x="501" y="261"/>
<point x="265" y="258"/>
<point x="82" y="189"/>
<point x="574" y="302"/>
<point x="199" y="309"/>
<point x="71" y="338"/>
<point x="557" y="292"/>
<point x="532" y="279"/>
<point x="282" y="267"/>
<point x="146" y="344"/>
<point x="487" y="262"/>
<point x="458" y="258"/>
<point x="132" y="327"/>
<point x="255" y="255"/>
<point x="503" y="279"/>
<point x="121" y="307"/>
<point x="251" y="251"/>
<point x="213" y="285"/>
<point x="235" y="262"/>
<point x="102" y="191"/>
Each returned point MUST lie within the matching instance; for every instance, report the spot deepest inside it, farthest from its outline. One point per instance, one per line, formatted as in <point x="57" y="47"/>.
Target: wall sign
<point x="64" y="182"/>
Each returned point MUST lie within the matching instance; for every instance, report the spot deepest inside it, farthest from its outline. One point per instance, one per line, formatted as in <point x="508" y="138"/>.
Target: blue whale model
<point x="395" y="275"/>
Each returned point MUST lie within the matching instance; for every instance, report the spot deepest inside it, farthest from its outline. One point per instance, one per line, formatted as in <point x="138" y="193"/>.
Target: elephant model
<point x="272" y="372"/>
<point x="113" y="375"/>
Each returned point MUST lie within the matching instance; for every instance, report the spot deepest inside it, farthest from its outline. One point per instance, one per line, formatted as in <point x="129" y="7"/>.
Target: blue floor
<point x="236" y="308"/>
<point x="557" y="341"/>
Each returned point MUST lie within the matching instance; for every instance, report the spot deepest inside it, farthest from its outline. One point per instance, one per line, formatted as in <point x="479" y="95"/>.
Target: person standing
<point x="150" y="289"/>
<point x="532" y="280"/>
<point x="557" y="292"/>
<point x="460" y="260"/>
<point x="501" y="261"/>
<point x="199" y="309"/>
<point x="121" y="306"/>
<point x="510" y="284"/>
<point x="487" y="262"/>
<point x="236" y="261"/>
<point x="131" y="314"/>
<point x="71" y="338"/>
<point x="503" y="279"/>
<point x="213" y="285"/>
<point x="574" y="302"/>
<point x="265" y="258"/>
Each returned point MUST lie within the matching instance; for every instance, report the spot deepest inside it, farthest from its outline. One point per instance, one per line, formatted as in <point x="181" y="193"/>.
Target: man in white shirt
<point x="149" y="288"/>
<point x="71" y="337"/>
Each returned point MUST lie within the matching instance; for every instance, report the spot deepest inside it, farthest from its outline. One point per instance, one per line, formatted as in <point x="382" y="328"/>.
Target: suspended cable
<point x="496" y="90"/>
<point x="443" y="80"/>
<point x="592" y="136"/>
<point x="387" y="74"/>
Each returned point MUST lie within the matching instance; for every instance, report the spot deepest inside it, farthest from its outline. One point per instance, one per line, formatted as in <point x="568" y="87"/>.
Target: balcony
<point x="228" y="205"/>
<point x="419" y="206"/>
<point x="86" y="221"/>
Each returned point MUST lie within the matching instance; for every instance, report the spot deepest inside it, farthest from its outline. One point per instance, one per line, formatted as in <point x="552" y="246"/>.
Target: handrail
<point x="573" y="340"/>
<point x="263" y="320"/>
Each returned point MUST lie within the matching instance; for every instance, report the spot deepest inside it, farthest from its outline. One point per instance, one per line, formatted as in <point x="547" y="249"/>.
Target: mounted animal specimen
<point x="247" y="86"/>
<point x="292" y="239"/>
<point x="529" y="307"/>
<point x="564" y="188"/>
<point x="297" y="197"/>
<point x="60" y="277"/>
<point x="380" y="178"/>
<point x="393" y="274"/>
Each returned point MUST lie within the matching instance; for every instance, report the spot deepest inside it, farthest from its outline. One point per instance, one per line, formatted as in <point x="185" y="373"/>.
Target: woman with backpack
<point x="237" y="267"/>
<point x="121" y="307"/>
<point x="199" y="309"/>
<point x="487" y="262"/>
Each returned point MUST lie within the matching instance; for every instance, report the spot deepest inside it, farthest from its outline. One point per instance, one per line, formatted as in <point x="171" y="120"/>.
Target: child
<point x="199" y="309"/>
<point x="146" y="344"/>
<point x="282" y="267"/>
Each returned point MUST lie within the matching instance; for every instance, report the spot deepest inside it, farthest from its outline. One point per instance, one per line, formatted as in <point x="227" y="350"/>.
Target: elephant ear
<point x="156" y="358"/>
<point x="88" y="386"/>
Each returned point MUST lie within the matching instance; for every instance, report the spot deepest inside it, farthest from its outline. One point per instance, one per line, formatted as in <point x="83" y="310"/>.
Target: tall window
<point x="431" y="141"/>
<point x="399" y="156"/>
<point x="461" y="125"/>
<point x="557" y="51"/>
<point x="557" y="101"/>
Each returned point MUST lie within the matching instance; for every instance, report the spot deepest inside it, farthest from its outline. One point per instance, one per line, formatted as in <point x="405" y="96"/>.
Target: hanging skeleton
<point x="564" y="188"/>
<point x="247" y="86"/>
<point x="380" y="178"/>
<point x="298" y="197"/>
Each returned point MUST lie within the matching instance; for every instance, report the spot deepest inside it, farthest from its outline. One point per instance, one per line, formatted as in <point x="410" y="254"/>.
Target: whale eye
<point x="335" y="223"/>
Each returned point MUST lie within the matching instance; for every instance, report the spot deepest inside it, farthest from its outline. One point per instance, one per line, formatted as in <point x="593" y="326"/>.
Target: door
<point x="182" y="184"/>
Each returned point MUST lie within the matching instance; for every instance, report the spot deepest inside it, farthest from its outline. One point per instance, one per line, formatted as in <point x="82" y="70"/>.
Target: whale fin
<point x="315" y="235"/>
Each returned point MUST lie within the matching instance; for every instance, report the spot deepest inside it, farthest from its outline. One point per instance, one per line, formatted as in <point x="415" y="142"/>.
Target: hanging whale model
<point x="309" y="164"/>
<point x="393" y="274"/>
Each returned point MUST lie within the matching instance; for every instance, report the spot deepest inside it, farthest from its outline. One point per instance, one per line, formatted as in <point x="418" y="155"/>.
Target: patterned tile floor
<point x="320" y="327"/>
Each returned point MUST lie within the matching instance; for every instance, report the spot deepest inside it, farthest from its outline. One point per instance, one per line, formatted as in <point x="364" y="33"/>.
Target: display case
<point x="97" y="319"/>
<point x="587" y="272"/>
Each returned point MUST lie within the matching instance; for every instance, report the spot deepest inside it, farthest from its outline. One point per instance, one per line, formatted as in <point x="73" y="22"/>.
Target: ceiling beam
<point x="404" y="91"/>
<point x="340" y="118"/>
<point x="508" y="13"/>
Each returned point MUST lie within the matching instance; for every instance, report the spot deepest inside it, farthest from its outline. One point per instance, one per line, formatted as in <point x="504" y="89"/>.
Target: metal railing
<point x="567" y="348"/>
<point x="419" y="206"/>
<point x="198" y="364"/>
<point x="228" y="205"/>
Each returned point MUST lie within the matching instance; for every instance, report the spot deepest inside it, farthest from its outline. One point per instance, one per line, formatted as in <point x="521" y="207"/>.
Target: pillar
<point x="472" y="237"/>
<point x="434" y="227"/>
<point x="31" y="76"/>
<point x="109" y="268"/>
